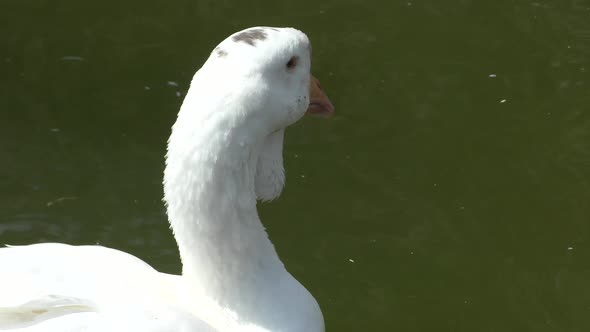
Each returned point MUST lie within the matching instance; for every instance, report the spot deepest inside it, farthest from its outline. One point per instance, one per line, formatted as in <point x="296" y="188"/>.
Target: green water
<point x="450" y="192"/>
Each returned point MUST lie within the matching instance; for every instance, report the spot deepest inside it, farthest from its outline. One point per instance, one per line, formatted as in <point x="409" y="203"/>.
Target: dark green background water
<point x="450" y="193"/>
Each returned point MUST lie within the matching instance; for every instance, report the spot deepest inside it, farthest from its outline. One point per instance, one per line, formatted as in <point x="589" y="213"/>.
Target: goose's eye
<point x="292" y="62"/>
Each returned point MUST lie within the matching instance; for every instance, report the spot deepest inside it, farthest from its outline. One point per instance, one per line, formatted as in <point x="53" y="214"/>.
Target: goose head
<point x="257" y="82"/>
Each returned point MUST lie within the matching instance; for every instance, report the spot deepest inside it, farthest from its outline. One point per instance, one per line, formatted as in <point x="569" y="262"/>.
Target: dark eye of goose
<point x="292" y="62"/>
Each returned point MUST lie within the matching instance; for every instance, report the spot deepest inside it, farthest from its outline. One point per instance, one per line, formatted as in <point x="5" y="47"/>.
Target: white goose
<point x="225" y="152"/>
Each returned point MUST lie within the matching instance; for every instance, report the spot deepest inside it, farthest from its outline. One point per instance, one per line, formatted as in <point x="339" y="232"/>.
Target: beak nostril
<point x="318" y="83"/>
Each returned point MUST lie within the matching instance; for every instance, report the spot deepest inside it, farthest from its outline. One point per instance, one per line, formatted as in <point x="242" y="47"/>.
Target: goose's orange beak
<point x="318" y="101"/>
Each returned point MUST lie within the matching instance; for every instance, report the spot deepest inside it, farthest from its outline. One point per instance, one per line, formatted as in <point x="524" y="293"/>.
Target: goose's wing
<point x="55" y="287"/>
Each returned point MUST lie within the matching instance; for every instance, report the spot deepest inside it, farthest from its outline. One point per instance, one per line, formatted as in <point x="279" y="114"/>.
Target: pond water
<point x="450" y="192"/>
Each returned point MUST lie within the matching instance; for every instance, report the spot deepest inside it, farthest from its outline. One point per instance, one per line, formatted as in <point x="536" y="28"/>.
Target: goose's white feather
<point x="224" y="153"/>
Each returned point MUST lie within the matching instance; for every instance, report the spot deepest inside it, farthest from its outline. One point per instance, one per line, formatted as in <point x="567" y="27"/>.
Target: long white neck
<point x="209" y="188"/>
<point x="212" y="209"/>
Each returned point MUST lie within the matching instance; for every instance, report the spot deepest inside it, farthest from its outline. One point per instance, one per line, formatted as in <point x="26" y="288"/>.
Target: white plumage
<point x="224" y="153"/>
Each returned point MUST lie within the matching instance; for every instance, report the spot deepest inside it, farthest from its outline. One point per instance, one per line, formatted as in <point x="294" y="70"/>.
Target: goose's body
<point x="225" y="152"/>
<point x="56" y="287"/>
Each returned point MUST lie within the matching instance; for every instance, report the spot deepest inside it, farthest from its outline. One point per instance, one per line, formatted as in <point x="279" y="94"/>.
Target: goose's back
<point x="56" y="287"/>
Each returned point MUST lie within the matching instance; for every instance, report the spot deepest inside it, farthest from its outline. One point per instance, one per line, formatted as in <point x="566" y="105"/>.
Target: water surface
<point x="450" y="192"/>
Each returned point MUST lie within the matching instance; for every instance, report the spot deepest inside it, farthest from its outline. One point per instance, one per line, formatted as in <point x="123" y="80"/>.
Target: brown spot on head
<point x="220" y="52"/>
<point x="250" y="36"/>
